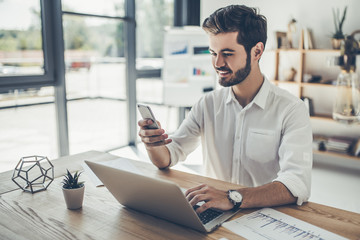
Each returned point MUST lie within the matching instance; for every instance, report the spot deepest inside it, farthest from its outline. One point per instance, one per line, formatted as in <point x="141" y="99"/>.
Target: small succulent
<point x="338" y="22"/>
<point x="72" y="181"/>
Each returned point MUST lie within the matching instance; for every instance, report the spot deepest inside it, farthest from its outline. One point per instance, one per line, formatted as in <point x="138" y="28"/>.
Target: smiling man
<point x="252" y="133"/>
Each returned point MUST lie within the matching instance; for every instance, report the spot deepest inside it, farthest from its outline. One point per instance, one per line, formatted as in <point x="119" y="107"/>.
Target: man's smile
<point x="223" y="72"/>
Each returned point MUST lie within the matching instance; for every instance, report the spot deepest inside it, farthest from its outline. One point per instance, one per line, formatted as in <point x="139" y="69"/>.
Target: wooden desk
<point x="44" y="215"/>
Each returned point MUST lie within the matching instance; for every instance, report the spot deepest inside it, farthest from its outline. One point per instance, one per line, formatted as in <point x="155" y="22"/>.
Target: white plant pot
<point x="74" y="197"/>
<point x="336" y="43"/>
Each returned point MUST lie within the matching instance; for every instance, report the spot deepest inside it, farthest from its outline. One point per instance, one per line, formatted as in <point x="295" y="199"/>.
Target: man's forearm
<point x="160" y="156"/>
<point x="271" y="194"/>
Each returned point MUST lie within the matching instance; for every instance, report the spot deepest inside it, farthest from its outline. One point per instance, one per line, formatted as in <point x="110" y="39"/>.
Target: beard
<point x="240" y="75"/>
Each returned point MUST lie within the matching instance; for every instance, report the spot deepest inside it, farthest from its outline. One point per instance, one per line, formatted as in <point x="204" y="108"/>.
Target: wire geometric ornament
<point x="33" y="173"/>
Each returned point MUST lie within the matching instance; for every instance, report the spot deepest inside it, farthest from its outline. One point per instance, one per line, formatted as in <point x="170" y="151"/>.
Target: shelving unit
<point x="186" y="70"/>
<point x="314" y="62"/>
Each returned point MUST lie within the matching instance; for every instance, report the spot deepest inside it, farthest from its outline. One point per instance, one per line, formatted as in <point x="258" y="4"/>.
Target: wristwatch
<point x="235" y="198"/>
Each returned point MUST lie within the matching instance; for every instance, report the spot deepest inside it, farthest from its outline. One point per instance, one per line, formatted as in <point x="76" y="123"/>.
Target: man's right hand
<point x="152" y="137"/>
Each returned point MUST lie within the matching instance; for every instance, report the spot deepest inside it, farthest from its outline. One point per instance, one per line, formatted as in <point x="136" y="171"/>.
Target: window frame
<point x="40" y="80"/>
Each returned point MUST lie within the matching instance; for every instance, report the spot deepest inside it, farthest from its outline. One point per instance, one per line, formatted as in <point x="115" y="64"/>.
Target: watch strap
<point x="237" y="206"/>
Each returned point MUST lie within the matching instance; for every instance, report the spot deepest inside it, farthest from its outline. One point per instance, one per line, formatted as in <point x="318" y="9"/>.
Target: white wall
<point x="313" y="14"/>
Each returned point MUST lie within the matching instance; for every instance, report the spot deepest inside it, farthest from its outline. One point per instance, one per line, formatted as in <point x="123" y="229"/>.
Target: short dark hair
<point x="250" y="25"/>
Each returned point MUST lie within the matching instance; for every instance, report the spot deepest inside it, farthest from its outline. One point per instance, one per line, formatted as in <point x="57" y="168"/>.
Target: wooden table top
<point x="44" y="215"/>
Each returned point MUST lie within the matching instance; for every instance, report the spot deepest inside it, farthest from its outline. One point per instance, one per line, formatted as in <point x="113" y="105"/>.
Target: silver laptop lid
<point x="156" y="197"/>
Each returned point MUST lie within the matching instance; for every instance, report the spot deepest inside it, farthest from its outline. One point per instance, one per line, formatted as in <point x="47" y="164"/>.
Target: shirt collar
<point x="230" y="96"/>
<point x="260" y="98"/>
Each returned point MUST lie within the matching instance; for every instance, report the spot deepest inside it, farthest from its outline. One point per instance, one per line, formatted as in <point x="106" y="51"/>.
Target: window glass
<point x="95" y="83"/>
<point x="20" y="38"/>
<point x="26" y="128"/>
<point x="152" y="17"/>
<point x="94" y="57"/>
<point x="113" y="8"/>
<point x="150" y="91"/>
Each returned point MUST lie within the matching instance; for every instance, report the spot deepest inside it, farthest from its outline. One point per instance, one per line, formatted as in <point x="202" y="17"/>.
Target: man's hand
<point x="152" y="137"/>
<point x="213" y="198"/>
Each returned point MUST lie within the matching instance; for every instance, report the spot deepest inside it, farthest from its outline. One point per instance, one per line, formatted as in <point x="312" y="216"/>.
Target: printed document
<point x="269" y="224"/>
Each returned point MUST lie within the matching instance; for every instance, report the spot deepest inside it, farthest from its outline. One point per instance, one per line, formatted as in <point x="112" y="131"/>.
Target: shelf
<point x="304" y="50"/>
<point x="177" y="56"/>
<point x="323" y="117"/>
<point x="285" y="82"/>
<point x="330" y="119"/>
<point x="317" y="85"/>
<point x="321" y="50"/>
<point x="336" y="155"/>
<point x="302" y="84"/>
<point x="287" y="50"/>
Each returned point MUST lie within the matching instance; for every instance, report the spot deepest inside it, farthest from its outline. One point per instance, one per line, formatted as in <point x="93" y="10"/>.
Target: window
<point x="27" y="130"/>
<point x="20" y="38"/>
<point x="95" y="74"/>
<point x="94" y="57"/>
<point x="27" y="109"/>
<point x="152" y="19"/>
<point x="24" y="58"/>
<point x="105" y="8"/>
<point x="98" y="100"/>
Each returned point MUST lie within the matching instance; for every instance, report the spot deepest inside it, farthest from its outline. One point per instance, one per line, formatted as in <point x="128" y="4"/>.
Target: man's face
<point x="229" y="58"/>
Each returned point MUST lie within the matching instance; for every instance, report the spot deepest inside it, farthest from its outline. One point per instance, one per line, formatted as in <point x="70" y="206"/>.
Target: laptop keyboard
<point x="208" y="214"/>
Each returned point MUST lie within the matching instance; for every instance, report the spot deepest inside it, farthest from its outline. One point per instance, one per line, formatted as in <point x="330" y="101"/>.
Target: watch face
<point x="236" y="196"/>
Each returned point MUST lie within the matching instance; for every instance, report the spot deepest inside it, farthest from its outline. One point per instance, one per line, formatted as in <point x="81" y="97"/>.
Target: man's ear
<point x="257" y="51"/>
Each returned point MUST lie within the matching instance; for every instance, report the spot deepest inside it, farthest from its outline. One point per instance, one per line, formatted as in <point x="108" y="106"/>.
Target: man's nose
<point x="219" y="61"/>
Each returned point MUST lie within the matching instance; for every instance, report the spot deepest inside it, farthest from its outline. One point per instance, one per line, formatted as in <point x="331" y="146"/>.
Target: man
<point x="252" y="133"/>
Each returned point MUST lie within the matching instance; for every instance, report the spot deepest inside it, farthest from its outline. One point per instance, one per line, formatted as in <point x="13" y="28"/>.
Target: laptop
<point x="159" y="198"/>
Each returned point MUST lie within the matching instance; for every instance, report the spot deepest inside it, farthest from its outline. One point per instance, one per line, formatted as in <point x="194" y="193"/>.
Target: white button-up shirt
<point x="270" y="139"/>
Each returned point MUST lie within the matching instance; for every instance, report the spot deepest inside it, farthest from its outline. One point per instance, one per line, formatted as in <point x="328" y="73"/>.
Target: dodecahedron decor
<point x="33" y="173"/>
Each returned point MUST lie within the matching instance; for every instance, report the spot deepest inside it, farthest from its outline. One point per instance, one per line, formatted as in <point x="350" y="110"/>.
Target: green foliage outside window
<point x="107" y="39"/>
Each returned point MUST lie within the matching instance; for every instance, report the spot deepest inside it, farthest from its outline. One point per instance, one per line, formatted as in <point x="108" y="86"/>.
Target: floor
<point x="331" y="185"/>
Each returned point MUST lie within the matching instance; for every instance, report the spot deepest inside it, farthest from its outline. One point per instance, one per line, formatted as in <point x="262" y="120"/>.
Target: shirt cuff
<point x="297" y="187"/>
<point x="174" y="159"/>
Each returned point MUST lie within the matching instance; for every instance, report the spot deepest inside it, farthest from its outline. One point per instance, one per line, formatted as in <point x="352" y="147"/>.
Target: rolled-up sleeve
<point x="295" y="153"/>
<point x="187" y="137"/>
<point x="176" y="154"/>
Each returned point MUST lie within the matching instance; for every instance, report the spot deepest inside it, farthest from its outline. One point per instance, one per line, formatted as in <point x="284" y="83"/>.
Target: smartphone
<point x="146" y="113"/>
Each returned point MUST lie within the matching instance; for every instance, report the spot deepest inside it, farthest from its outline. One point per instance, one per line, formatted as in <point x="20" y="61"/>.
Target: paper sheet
<point x="269" y="224"/>
<point x="119" y="163"/>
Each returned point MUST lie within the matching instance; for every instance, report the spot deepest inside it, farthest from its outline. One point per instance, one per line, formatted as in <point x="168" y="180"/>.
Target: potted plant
<point x="73" y="190"/>
<point x="338" y="35"/>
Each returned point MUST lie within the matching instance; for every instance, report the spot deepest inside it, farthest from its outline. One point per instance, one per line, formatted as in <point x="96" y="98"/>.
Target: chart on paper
<point x="270" y="224"/>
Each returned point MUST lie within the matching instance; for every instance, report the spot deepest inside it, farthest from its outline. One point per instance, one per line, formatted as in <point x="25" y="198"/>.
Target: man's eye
<point x="212" y="54"/>
<point x="227" y="54"/>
